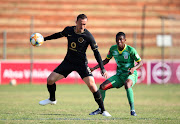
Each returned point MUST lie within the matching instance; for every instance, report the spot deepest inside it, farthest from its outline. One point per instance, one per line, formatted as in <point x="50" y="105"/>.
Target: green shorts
<point x="118" y="81"/>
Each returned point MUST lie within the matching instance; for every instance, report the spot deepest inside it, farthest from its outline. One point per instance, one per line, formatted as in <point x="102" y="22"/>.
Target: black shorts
<point x="66" y="67"/>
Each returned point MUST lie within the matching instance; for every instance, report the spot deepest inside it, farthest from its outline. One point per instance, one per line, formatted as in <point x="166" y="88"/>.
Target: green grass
<point x="157" y="104"/>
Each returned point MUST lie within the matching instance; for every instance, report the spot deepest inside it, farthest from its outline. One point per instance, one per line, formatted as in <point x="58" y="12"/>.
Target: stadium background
<point x="141" y="20"/>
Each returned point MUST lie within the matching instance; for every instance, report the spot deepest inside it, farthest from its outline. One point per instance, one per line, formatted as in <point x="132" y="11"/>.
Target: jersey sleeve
<point x="93" y="43"/>
<point x="97" y="55"/>
<point x="109" y="55"/>
<point x="135" y="55"/>
<point x="57" y="35"/>
<point x="65" y="32"/>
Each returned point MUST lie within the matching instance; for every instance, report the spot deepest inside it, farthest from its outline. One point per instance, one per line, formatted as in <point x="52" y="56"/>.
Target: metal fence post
<point x="4" y="44"/>
<point x="143" y="30"/>
<point x="134" y="39"/>
<point x="31" y="51"/>
<point x="162" y="48"/>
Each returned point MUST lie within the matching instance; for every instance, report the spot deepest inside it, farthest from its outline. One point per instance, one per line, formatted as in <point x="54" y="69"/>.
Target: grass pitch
<point x="154" y="104"/>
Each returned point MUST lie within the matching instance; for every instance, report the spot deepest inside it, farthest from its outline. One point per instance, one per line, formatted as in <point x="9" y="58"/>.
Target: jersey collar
<point x="120" y="52"/>
<point x="76" y="32"/>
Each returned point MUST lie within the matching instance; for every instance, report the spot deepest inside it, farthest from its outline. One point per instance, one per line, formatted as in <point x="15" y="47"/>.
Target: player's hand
<point x="92" y="69"/>
<point x="131" y="71"/>
<point x="105" y="74"/>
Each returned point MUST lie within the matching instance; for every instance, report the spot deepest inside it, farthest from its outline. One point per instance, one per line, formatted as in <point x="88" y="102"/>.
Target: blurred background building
<point x="141" y="20"/>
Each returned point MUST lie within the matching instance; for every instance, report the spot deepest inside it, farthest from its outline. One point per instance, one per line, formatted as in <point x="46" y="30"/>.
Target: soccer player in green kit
<point x="126" y="74"/>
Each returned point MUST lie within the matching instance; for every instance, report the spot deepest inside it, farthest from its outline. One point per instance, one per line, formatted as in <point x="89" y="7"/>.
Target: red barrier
<point x="151" y="72"/>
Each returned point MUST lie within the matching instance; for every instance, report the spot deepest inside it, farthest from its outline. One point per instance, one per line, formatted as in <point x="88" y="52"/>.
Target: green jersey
<point x="125" y="59"/>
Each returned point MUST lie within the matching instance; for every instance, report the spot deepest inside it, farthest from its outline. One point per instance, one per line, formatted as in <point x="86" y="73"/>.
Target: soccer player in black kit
<point x="75" y="60"/>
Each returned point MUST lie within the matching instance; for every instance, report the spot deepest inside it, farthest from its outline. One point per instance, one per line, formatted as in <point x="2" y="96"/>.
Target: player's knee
<point x="106" y="85"/>
<point x="50" y="81"/>
<point x="92" y="86"/>
<point x="102" y="87"/>
<point x="128" y="84"/>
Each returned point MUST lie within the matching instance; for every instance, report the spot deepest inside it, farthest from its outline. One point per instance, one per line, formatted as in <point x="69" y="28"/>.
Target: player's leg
<point x="130" y="82"/>
<point x="98" y="111"/>
<point x="112" y="82"/>
<point x="103" y="87"/>
<point x="89" y="80"/>
<point x="129" y="92"/>
<point x="59" y="73"/>
<point x="85" y="73"/>
<point x="51" y="86"/>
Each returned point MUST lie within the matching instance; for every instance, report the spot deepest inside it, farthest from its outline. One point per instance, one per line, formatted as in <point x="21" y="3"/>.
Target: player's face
<point x="81" y="25"/>
<point x="120" y="41"/>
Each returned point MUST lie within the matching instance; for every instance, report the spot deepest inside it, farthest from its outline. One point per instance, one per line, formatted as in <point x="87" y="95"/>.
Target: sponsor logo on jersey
<point x="80" y="39"/>
<point x="115" y="53"/>
<point x="125" y="56"/>
<point x="73" y="45"/>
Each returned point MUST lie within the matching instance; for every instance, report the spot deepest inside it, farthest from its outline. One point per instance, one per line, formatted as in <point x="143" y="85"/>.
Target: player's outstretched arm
<point x="53" y="36"/>
<point x="105" y="61"/>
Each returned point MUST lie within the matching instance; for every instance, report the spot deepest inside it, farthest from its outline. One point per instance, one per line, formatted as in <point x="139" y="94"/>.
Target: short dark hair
<point x="120" y="33"/>
<point x="82" y="16"/>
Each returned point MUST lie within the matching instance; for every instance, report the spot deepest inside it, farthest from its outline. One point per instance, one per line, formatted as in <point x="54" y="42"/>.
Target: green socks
<point x="103" y="93"/>
<point x="130" y="97"/>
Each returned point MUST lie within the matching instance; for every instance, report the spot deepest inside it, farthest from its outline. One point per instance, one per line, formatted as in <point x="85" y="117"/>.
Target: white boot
<point x="47" y="101"/>
<point x="105" y="113"/>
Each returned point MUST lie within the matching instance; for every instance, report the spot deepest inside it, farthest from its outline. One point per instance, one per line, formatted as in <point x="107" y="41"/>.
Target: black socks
<point x="98" y="99"/>
<point x="52" y="89"/>
<point x="97" y="96"/>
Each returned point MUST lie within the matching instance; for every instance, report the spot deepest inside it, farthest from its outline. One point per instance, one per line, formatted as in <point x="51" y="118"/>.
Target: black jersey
<point x="77" y="45"/>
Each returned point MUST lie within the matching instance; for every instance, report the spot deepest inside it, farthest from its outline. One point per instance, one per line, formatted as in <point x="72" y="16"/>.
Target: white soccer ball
<point x="36" y="39"/>
<point x="13" y="82"/>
